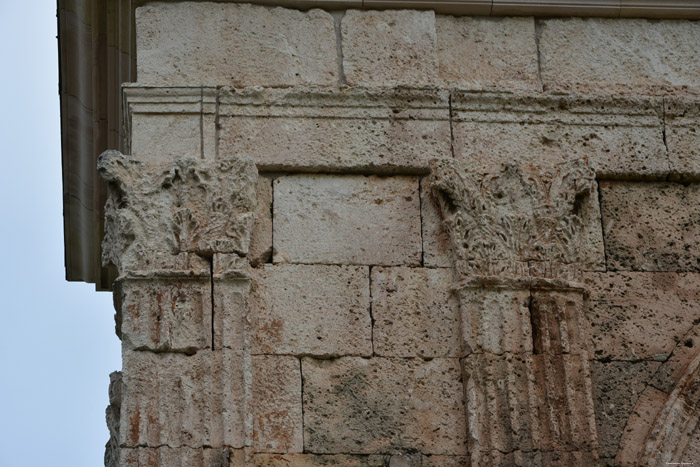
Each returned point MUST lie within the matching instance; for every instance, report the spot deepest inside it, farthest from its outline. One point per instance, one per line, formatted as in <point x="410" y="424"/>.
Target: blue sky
<point x="57" y="341"/>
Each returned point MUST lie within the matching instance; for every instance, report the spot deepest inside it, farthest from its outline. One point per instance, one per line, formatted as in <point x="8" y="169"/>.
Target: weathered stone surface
<point x="356" y="405"/>
<point x="683" y="137"/>
<point x="528" y="402"/>
<point x="351" y="219"/>
<point x="437" y="249"/>
<point x="156" y="212"/>
<point x="649" y="405"/>
<point x="261" y="238"/>
<point x="346" y="129"/>
<point x="446" y="461"/>
<point x="316" y="460"/>
<point x="406" y="460"/>
<point x="495" y="320"/>
<point x="620" y="137"/>
<point x="487" y="53"/>
<point x="619" y="55"/>
<point x="638" y="315"/>
<point x="558" y="322"/>
<point x="389" y="48"/>
<point x="415" y="313"/>
<point x="514" y="214"/>
<point x="165" y="456"/>
<point x="277" y="412"/>
<point x="672" y="370"/>
<point x="238" y="44"/>
<point x="231" y="309"/>
<point x="311" y="310"/>
<point x="183" y="401"/>
<point x="164" y="313"/>
<point x="617" y="387"/>
<point x="113" y="419"/>
<point x="536" y="458"/>
<point x="651" y="226"/>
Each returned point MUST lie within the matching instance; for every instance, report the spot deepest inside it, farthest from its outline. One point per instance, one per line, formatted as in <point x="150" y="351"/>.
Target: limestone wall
<point x="355" y="329"/>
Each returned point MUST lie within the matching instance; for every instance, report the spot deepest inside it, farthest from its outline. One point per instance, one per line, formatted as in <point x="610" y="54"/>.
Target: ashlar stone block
<point x="378" y="405"/>
<point x="164" y="313"/>
<point x="311" y="310"/>
<point x="651" y="226"/>
<point x="165" y="456"/>
<point x="235" y="44"/>
<point x="683" y="136"/>
<point x="389" y="48"/>
<point x="415" y="313"/>
<point x="335" y="130"/>
<point x="493" y="129"/>
<point x="277" y="411"/>
<point x="641" y="315"/>
<point x="487" y="53"/>
<point x="183" y="401"/>
<point x="317" y="460"/>
<point x="352" y="219"/>
<point x="619" y="55"/>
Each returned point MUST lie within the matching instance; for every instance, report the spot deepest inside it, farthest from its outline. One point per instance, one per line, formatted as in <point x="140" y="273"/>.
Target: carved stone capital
<point x="166" y="215"/>
<point x="515" y="220"/>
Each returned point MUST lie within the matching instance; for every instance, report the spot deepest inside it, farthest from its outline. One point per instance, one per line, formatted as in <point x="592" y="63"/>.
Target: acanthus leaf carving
<point x="499" y="220"/>
<point x="155" y="212"/>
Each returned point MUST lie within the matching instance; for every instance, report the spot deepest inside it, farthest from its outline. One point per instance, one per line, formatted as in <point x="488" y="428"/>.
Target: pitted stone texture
<point x="367" y="406"/>
<point x="437" y="249"/>
<point x="261" y="237"/>
<point x="558" y="322"/>
<point x="238" y="44"/>
<point x="277" y="411"/>
<point x="641" y="315"/>
<point x="446" y="461"/>
<point x="619" y="55"/>
<point x="651" y="226"/>
<point x="619" y="137"/>
<point x="351" y="219"/>
<point x="536" y="458"/>
<point x="645" y="413"/>
<point x="406" y="460"/>
<point x="683" y="136"/>
<point x="156" y="212"/>
<point x="529" y="402"/>
<point x="495" y="320"/>
<point x="487" y="53"/>
<point x="183" y="401"/>
<point x="317" y="460"/>
<point x="415" y="313"/>
<point x="165" y="456"/>
<point x="335" y="130"/>
<point x="681" y="358"/>
<point x="617" y="387"/>
<point x="389" y="48"/>
<point x="164" y="314"/>
<point x="311" y="310"/>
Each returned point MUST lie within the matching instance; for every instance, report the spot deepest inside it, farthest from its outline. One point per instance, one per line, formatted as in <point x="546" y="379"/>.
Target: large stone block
<point x="277" y="411"/>
<point x="619" y="137"/>
<point x="311" y="310"/>
<point x="380" y="405"/>
<point x="237" y="44"/>
<point x="638" y="315"/>
<point x="165" y="456"/>
<point x="183" y="401"/>
<point x="651" y="226"/>
<point x="683" y="137"/>
<point x="331" y="130"/>
<point x="164" y="313"/>
<point x="389" y="48"/>
<point x="261" y="237"/>
<point x="351" y="219"/>
<point x="619" y="55"/>
<point x="317" y="460"/>
<point x="415" y="313"/>
<point x="617" y="387"/>
<point x="487" y="53"/>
